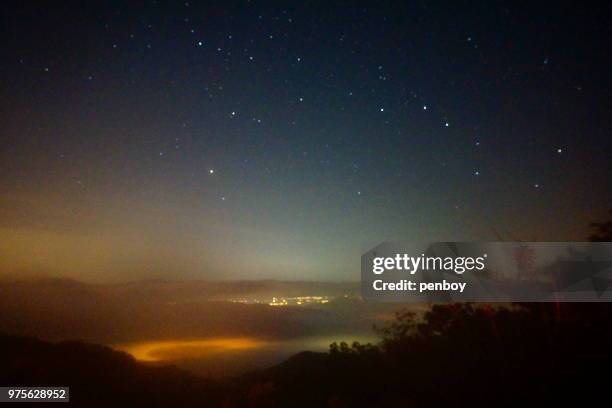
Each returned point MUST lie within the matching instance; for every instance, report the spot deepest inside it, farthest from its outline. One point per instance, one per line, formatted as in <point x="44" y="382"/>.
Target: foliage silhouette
<point x="603" y="230"/>
<point x="457" y="354"/>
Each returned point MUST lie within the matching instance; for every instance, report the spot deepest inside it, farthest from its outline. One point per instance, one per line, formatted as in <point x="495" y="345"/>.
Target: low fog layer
<point x="157" y="312"/>
<point x="57" y="309"/>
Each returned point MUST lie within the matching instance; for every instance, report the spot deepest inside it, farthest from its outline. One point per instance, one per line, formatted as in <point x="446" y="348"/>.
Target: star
<point x="211" y="171"/>
<point x="559" y="150"/>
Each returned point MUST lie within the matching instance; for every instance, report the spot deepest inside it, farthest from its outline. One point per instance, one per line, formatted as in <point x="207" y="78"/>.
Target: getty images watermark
<point x="488" y="272"/>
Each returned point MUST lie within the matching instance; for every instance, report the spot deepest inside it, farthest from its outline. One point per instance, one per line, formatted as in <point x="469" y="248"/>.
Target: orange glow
<point x="167" y="350"/>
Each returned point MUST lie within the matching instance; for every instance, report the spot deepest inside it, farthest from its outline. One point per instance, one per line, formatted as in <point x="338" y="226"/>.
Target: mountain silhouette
<point x="479" y="355"/>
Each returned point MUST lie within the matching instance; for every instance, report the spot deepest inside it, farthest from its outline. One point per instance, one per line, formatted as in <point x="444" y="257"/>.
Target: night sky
<point x="280" y="140"/>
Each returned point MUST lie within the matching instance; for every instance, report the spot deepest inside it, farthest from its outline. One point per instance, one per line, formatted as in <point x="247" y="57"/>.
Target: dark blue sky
<point x="258" y="139"/>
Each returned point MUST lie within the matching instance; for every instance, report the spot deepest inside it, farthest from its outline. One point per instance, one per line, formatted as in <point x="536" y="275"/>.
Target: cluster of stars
<point x="377" y="85"/>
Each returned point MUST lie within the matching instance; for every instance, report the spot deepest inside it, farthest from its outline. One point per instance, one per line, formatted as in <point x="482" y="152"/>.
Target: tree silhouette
<point x="603" y="231"/>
